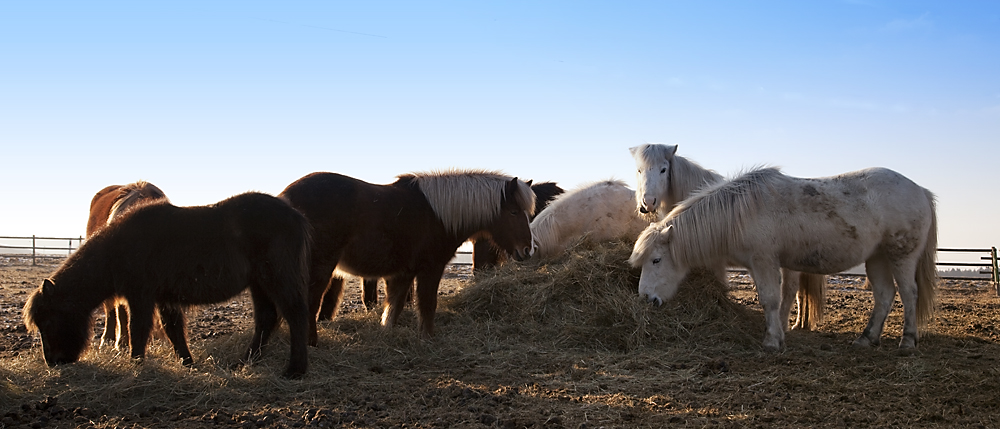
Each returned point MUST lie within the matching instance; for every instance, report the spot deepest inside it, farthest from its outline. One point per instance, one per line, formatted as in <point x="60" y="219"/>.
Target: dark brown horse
<point x="167" y="257"/>
<point x="404" y="231"/>
<point x="485" y="253"/>
<point x="108" y="204"/>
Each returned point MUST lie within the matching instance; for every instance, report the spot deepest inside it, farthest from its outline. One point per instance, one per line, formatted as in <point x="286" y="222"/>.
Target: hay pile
<point x="588" y="298"/>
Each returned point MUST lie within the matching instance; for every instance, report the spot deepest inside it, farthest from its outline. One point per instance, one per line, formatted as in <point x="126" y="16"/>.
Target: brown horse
<point x="485" y="252"/>
<point x="108" y="204"/>
<point x="407" y="230"/>
<point x="162" y="256"/>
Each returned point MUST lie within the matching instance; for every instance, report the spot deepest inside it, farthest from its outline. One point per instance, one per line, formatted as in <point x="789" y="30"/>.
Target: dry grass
<point x="565" y="343"/>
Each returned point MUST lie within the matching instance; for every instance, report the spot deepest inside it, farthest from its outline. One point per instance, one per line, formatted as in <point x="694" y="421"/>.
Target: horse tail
<point x="927" y="276"/>
<point x="811" y="297"/>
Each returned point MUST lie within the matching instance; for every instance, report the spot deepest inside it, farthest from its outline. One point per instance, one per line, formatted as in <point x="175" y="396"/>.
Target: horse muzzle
<point x="522" y="254"/>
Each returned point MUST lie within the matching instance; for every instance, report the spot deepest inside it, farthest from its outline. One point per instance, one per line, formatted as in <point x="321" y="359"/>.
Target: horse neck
<point x="686" y="177"/>
<point x="76" y="280"/>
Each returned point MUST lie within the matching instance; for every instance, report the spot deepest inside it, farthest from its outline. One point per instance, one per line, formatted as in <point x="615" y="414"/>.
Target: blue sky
<point x="210" y="99"/>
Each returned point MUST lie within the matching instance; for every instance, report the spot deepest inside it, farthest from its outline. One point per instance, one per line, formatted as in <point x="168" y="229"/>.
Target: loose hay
<point x="587" y="298"/>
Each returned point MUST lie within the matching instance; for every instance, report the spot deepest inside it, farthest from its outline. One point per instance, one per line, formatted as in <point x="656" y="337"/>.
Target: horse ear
<point x="672" y="151"/>
<point x="633" y="150"/>
<point x="667" y="233"/>
<point x="529" y="182"/>
<point x="47" y="285"/>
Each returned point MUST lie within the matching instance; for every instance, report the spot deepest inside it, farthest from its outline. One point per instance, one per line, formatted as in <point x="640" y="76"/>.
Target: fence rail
<point x="989" y="266"/>
<point x="46" y="251"/>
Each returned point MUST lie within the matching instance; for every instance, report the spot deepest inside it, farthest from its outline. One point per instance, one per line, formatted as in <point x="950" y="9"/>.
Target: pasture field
<point x="567" y="344"/>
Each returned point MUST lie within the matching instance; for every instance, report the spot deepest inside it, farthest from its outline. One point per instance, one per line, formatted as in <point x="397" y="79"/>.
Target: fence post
<point x="33" y="250"/>
<point x="996" y="270"/>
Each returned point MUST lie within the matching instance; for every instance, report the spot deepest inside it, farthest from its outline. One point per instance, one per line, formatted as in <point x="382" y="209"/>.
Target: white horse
<point x="599" y="211"/>
<point x="665" y="179"/>
<point x="765" y="220"/>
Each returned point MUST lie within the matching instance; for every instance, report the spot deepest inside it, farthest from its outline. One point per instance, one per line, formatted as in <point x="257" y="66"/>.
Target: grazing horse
<point x="108" y="204"/>
<point x="765" y="221"/>
<point x="599" y="211"/>
<point x="406" y="230"/>
<point x="665" y="179"/>
<point x="168" y="257"/>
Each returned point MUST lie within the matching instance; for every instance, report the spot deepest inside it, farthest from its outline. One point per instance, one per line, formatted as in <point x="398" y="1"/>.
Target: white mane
<point x="714" y="219"/>
<point x="469" y="199"/>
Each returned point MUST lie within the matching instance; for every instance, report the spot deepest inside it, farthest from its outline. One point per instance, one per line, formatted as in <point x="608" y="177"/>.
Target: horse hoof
<point x="862" y="342"/>
<point x="188" y="362"/>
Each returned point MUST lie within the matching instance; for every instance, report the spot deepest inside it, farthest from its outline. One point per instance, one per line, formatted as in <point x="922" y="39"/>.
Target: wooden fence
<point x="987" y="256"/>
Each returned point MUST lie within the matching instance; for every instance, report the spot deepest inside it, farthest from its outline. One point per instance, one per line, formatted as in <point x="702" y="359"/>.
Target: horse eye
<point x="513" y="212"/>
<point x="664" y="170"/>
<point x="656" y="261"/>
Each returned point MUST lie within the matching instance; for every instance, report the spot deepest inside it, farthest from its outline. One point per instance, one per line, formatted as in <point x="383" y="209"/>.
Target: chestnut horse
<point x="108" y="204"/>
<point x="407" y="230"/>
<point x="484" y="252"/>
<point x="162" y="256"/>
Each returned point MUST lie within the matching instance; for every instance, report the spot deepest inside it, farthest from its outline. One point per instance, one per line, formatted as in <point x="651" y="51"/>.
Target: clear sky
<point x="210" y="99"/>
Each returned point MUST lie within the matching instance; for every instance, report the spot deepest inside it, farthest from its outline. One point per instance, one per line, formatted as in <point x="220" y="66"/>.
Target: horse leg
<point x="767" y="278"/>
<point x="140" y="323"/>
<point x="427" y="294"/>
<point x="265" y="320"/>
<point x="290" y="301"/>
<point x="397" y="290"/>
<point x="789" y="290"/>
<point x="905" y="273"/>
<point x="370" y="293"/>
<point x="320" y="275"/>
<point x="121" y="342"/>
<point x="110" y="322"/>
<point x="174" y="325"/>
<point x="879" y="275"/>
<point x="332" y="298"/>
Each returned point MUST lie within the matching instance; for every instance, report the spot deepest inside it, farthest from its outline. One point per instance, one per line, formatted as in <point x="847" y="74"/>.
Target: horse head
<point x="660" y="275"/>
<point x="510" y="229"/>
<point x="653" y="163"/>
<point x="64" y="331"/>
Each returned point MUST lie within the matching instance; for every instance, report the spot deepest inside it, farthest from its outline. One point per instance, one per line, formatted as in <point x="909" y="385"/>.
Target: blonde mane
<point x="714" y="219"/>
<point x="467" y="200"/>
<point x="133" y="193"/>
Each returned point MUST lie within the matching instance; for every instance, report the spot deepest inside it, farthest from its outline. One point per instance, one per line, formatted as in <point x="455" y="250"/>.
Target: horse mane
<point x="468" y="199"/>
<point x="645" y="243"/>
<point x="686" y="177"/>
<point x="714" y="219"/>
<point x="132" y="194"/>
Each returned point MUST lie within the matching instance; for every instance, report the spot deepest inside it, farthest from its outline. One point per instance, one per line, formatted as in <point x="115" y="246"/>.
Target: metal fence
<point x="39" y="249"/>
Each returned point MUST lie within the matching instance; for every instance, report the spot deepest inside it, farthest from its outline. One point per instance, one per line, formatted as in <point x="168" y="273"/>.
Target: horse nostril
<point x="642" y="209"/>
<point x="658" y="301"/>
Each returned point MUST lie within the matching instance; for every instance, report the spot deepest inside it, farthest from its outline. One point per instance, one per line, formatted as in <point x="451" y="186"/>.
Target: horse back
<point x="367" y="227"/>
<point x="100" y="208"/>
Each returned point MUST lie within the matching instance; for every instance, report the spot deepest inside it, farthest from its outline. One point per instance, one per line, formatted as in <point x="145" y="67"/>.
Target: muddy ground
<point x="473" y="375"/>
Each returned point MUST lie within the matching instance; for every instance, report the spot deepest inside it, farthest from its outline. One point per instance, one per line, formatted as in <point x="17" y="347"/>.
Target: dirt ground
<point x="476" y="374"/>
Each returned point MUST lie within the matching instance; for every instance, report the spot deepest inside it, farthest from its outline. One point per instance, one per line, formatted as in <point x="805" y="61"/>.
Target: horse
<point x="598" y="211"/>
<point x="108" y="204"/>
<point x="162" y="256"/>
<point x="665" y="179"/>
<point x="406" y="230"/>
<point x="485" y="254"/>
<point x="765" y="221"/>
